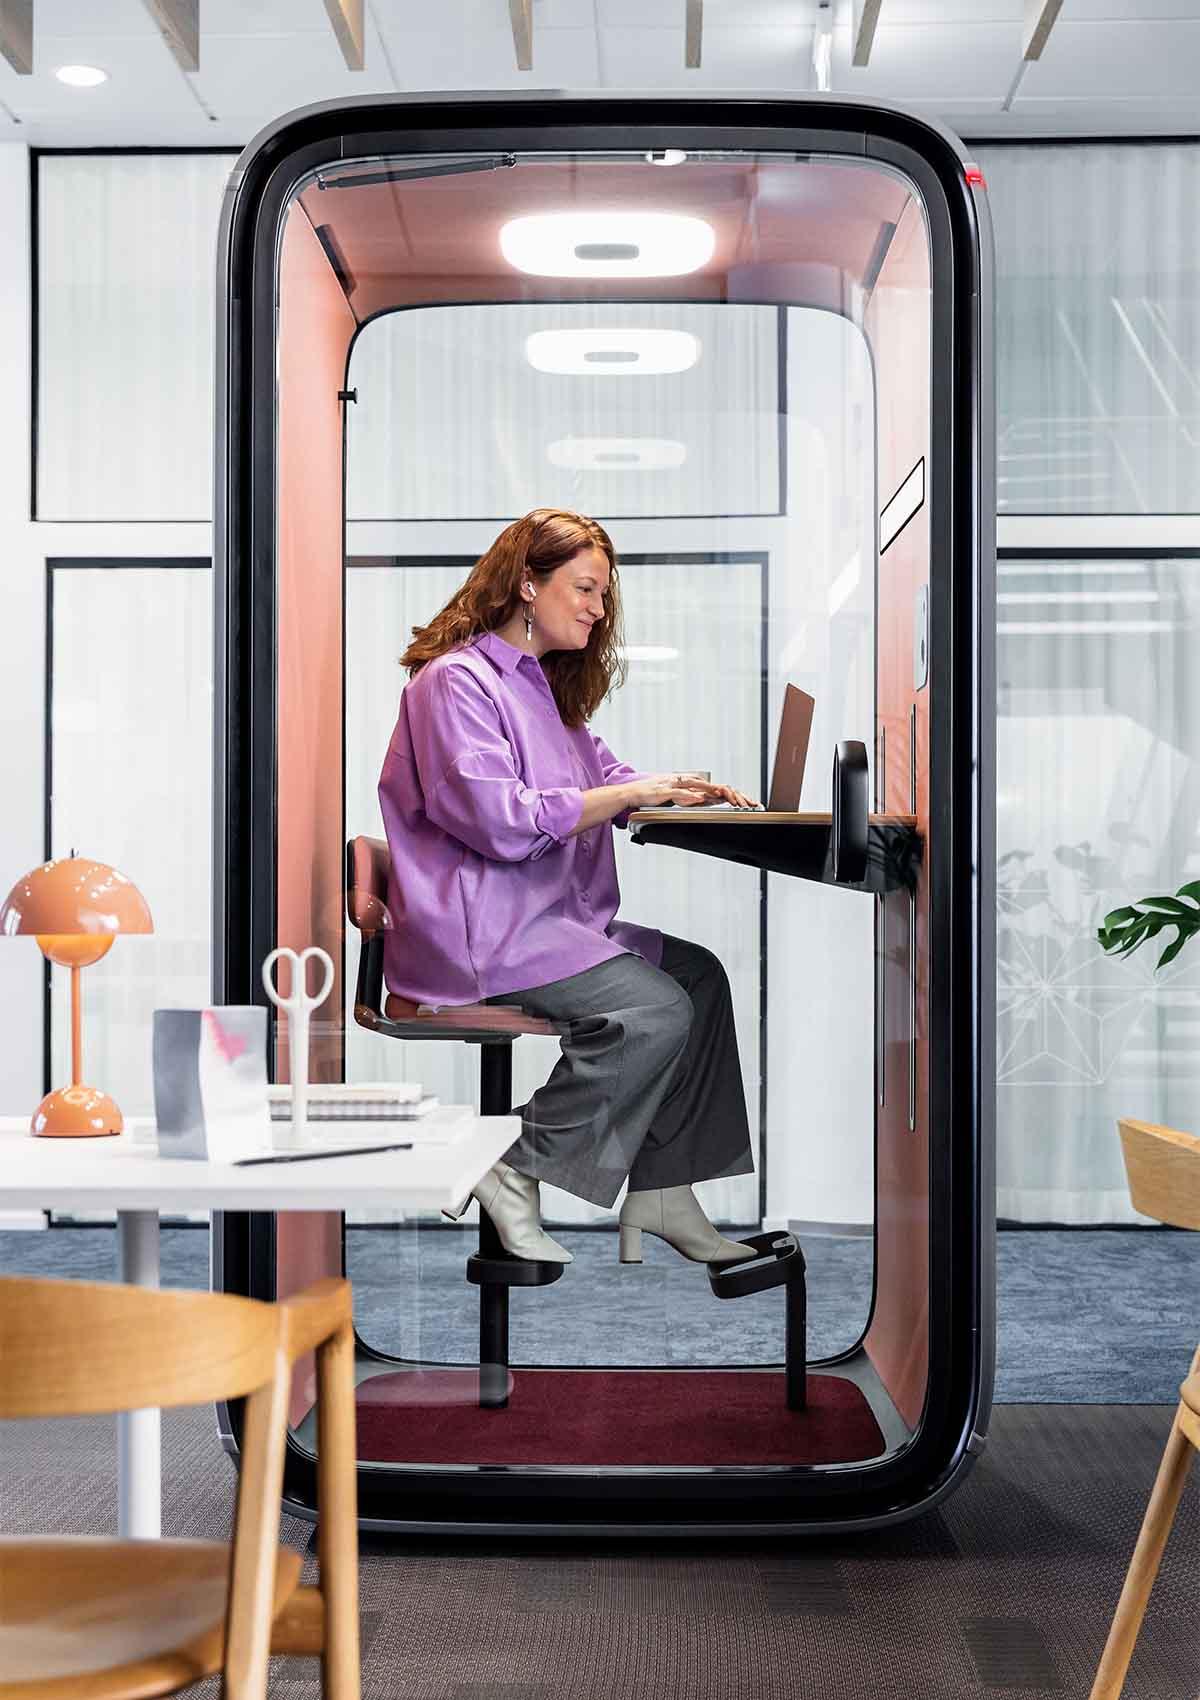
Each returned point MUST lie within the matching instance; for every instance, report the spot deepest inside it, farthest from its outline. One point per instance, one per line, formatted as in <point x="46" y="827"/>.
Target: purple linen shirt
<point x="481" y="786"/>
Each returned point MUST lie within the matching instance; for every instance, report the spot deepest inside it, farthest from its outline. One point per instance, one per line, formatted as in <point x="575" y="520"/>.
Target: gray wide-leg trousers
<point x="649" y="1083"/>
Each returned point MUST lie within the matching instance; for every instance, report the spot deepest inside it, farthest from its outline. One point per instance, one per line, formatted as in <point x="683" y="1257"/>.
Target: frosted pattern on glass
<point x="126" y="260"/>
<point x="1098" y="327"/>
<point x="1098" y="805"/>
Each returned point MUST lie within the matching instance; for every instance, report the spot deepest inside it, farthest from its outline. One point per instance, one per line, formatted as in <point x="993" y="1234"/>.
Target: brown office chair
<point x="125" y="1620"/>
<point x="493" y="1027"/>
<point x="1163" y="1169"/>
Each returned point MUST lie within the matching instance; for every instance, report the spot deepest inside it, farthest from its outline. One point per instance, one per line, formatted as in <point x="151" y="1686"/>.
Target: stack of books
<point x="382" y="1101"/>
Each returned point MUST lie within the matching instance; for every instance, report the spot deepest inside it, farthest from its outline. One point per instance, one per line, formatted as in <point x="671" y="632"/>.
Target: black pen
<point x="312" y="1156"/>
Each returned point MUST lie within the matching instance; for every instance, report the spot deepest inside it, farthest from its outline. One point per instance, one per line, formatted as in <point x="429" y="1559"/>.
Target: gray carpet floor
<point x="1006" y="1589"/>
<point x="1101" y="1316"/>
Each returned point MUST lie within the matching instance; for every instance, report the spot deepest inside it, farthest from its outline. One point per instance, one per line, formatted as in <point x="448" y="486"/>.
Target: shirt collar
<point x="504" y="654"/>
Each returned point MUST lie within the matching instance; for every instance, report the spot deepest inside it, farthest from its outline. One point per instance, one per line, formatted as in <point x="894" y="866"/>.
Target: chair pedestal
<point x="492" y="1027"/>
<point x="492" y="1269"/>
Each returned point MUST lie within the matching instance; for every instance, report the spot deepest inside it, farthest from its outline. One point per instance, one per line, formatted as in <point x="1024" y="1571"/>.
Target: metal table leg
<point x="139" y="1433"/>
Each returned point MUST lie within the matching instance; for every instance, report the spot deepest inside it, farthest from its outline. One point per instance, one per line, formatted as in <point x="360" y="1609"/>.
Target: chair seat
<point x="496" y="1018"/>
<point x="90" y="1619"/>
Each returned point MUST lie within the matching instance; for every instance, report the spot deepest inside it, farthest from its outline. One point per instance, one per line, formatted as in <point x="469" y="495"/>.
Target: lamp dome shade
<point x="74" y="895"/>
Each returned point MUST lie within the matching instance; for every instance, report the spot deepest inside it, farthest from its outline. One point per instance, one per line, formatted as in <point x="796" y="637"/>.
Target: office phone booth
<point x="752" y="338"/>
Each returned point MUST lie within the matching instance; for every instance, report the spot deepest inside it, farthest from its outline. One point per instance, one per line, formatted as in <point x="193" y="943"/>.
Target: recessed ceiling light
<point x="610" y="353"/>
<point x="616" y="244"/>
<point x="616" y="454"/>
<point x="81" y="76"/>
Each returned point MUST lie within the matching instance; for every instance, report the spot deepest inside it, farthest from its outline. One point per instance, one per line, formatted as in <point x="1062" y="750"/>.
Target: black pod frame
<point x="960" y="855"/>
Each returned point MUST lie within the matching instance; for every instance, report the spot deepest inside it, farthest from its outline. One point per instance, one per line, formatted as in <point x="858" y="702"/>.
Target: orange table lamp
<point x="75" y="908"/>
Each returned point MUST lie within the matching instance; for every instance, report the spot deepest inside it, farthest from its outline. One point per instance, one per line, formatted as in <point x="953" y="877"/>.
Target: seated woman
<point x="498" y="803"/>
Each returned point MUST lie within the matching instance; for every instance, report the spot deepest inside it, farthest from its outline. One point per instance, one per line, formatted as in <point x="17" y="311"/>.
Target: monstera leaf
<point x="1123" y="930"/>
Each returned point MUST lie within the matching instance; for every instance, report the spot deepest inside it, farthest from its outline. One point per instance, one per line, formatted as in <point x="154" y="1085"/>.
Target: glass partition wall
<point x="727" y="356"/>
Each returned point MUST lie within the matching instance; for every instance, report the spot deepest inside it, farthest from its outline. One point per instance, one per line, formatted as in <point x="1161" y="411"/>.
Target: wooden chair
<point x="1163" y="1167"/>
<point x="96" y="1619"/>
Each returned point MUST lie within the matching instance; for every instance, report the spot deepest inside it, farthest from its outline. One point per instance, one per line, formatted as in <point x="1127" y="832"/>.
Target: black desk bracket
<point x="851" y="812"/>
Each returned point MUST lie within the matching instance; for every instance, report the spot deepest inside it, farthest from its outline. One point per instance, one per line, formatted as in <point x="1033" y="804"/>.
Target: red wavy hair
<point x="536" y="546"/>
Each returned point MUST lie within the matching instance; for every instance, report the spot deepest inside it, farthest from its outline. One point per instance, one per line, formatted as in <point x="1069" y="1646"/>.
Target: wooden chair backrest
<point x="74" y="1348"/>
<point x="1163" y="1167"/>
<point x="77" y="1347"/>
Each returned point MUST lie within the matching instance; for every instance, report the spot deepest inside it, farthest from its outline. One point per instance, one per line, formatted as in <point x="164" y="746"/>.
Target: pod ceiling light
<point x="607" y="244"/>
<point x="612" y="353"/>
<point x="616" y="454"/>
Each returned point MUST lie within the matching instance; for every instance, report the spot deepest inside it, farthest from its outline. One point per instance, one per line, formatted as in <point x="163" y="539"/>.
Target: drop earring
<point x="529" y="622"/>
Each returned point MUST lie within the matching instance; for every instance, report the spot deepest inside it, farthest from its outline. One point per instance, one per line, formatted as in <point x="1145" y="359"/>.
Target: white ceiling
<point x="1111" y="67"/>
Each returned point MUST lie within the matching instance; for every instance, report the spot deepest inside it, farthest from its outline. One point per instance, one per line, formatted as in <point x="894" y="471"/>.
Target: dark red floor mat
<point x="614" y="1417"/>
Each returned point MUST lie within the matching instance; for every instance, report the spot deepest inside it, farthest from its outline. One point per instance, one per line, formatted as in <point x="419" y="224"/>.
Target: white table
<point x="452" y="1149"/>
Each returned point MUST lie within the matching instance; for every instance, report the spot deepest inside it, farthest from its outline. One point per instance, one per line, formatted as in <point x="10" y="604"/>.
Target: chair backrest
<point x="1163" y="1168"/>
<point x="74" y="1348"/>
<point x="77" y="1347"/>
<point x="368" y="869"/>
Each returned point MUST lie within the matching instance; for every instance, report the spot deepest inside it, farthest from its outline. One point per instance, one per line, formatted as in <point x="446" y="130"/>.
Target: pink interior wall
<point x="899" y="331"/>
<point x="315" y="327"/>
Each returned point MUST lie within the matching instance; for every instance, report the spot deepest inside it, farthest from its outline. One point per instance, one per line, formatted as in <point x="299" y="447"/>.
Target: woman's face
<point x="571" y="600"/>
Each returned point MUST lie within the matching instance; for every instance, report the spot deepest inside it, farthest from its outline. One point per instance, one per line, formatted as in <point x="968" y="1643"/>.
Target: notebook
<point x="381" y="1102"/>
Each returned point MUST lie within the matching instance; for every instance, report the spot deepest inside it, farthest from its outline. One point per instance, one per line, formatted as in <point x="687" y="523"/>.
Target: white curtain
<point x="1098" y="805"/>
<point x="1098" y="355"/>
<point x="1098" y="326"/>
<point x="126" y="260"/>
<point x="131" y="774"/>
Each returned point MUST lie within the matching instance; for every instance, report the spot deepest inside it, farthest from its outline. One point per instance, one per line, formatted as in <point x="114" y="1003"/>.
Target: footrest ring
<point x="508" y="1271"/>
<point x="778" y="1260"/>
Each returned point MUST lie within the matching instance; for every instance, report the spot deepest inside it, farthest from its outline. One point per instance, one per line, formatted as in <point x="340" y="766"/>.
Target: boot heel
<point x="631" y="1244"/>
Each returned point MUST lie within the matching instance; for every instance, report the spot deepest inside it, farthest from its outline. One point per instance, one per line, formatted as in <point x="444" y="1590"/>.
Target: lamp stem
<point x="76" y="1041"/>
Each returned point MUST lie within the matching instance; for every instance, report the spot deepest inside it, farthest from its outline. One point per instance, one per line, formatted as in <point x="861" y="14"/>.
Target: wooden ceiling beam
<point x="346" y="16"/>
<point x="520" y="16"/>
<point x="16" y="35"/>
<point x="1040" y="16"/>
<point x="179" y="24"/>
<point x="693" y="33"/>
<point x="866" y="16"/>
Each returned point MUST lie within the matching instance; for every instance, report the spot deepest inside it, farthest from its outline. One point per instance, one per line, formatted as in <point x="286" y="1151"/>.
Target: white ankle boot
<point x="511" y="1200"/>
<point x="674" y="1213"/>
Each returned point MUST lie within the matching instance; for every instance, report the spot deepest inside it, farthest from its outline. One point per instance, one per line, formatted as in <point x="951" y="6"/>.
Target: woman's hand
<point x="719" y="793"/>
<point x="683" y="789"/>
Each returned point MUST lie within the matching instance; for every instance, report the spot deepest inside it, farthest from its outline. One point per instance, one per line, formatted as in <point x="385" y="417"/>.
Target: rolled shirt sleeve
<point x="615" y="772"/>
<point x="470" y="782"/>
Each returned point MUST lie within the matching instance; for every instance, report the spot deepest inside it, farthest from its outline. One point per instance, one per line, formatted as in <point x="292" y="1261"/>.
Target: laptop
<point x="787" y="776"/>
